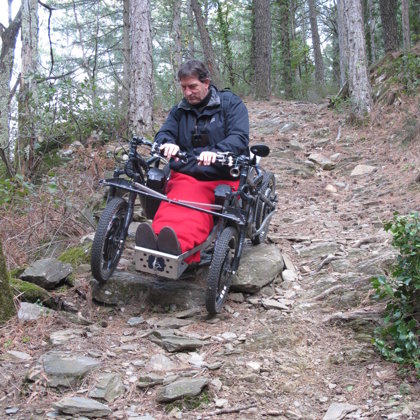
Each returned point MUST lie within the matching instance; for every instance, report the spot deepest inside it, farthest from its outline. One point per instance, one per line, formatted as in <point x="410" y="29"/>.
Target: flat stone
<point x="63" y="336"/>
<point x="82" y="406"/>
<point x="322" y="161"/>
<point x="160" y="363"/>
<point x="149" y="380"/>
<point x="189" y="387"/>
<point x="47" y="273"/>
<point x="274" y="304"/>
<point x="289" y="276"/>
<point x="19" y="356"/>
<point x="108" y="388"/>
<point x="170" y="322"/>
<point x="175" y="343"/>
<point x="63" y="369"/>
<point x="338" y="411"/>
<point x="134" y="321"/>
<point x="318" y="250"/>
<point x="126" y="287"/>
<point x="31" y="312"/>
<point x="362" y="170"/>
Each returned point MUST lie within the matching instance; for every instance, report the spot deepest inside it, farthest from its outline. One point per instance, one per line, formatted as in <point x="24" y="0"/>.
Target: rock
<point x="331" y="189"/>
<point x="295" y="145"/>
<point x="149" y="380"/>
<point x="274" y="304"/>
<point x="318" y="250"/>
<point x="32" y="312"/>
<point x="63" y="369"/>
<point x="189" y="387"/>
<point x="338" y="411"/>
<point x="19" y="356"/>
<point x="362" y="170"/>
<point x="174" y="343"/>
<point x="123" y="288"/>
<point x="285" y="128"/>
<point x="47" y="273"/>
<point x="60" y="337"/>
<point x="160" y="363"/>
<point x="172" y="323"/>
<point x="259" y="266"/>
<point x="322" y="161"/>
<point x="134" y="321"/>
<point x="82" y="406"/>
<point x="108" y="388"/>
<point x="289" y="276"/>
<point x="236" y="297"/>
<point x="29" y="292"/>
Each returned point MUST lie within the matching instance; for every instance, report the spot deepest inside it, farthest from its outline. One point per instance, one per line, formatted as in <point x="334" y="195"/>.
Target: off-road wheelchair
<point x="239" y="215"/>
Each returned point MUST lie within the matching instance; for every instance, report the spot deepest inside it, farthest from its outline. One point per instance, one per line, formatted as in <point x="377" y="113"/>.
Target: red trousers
<point x="191" y="226"/>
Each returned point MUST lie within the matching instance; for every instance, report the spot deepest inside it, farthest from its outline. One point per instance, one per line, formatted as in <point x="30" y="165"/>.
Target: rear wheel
<point x="220" y="271"/>
<point x="109" y="240"/>
<point x="268" y="189"/>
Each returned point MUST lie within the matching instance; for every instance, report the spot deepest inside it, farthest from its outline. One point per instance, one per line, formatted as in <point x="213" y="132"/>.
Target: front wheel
<point x="109" y="240"/>
<point x="220" y="271"/>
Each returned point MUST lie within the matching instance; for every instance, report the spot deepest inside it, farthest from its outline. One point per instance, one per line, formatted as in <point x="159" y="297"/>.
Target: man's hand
<point x="207" y="158"/>
<point x="169" y="150"/>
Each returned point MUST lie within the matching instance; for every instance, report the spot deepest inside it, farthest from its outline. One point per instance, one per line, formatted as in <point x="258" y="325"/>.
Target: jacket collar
<point x="213" y="102"/>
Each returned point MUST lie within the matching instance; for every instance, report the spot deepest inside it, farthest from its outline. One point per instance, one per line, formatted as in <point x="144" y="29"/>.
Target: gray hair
<point x="194" y="68"/>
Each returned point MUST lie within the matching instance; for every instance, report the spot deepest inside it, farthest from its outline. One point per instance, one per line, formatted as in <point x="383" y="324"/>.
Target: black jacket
<point x="223" y="124"/>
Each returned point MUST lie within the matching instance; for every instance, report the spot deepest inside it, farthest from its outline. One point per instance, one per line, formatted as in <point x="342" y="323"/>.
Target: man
<point x="205" y="122"/>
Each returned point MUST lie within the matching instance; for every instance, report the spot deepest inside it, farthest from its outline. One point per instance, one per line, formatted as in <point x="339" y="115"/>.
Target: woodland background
<point x="84" y="71"/>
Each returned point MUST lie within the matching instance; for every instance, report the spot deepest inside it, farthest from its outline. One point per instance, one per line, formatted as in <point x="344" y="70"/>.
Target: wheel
<point x="219" y="277"/>
<point x="268" y="189"/>
<point x="109" y="240"/>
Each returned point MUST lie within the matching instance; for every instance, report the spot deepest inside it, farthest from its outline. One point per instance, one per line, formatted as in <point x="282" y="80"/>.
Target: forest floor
<point x="288" y="364"/>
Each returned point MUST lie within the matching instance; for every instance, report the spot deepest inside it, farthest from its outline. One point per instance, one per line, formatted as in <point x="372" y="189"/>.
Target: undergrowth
<point x="398" y="339"/>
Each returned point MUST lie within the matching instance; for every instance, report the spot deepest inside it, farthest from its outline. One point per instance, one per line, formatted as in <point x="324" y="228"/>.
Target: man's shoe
<point x="167" y="241"/>
<point x="146" y="237"/>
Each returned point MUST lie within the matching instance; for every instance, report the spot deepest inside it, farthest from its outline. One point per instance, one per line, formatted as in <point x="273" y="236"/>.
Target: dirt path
<point x="295" y="363"/>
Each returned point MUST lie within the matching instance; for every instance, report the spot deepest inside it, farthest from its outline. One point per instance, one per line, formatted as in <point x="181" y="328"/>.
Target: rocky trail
<point x="295" y="345"/>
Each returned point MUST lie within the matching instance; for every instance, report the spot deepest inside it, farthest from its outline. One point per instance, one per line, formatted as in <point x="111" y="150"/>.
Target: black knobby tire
<point x="109" y="240"/>
<point x="268" y="189"/>
<point x="219" y="277"/>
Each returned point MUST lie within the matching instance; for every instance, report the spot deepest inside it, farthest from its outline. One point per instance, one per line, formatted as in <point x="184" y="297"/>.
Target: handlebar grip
<point x="182" y="156"/>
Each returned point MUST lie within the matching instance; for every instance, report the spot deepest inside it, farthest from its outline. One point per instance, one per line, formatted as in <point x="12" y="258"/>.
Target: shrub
<point x="398" y="339"/>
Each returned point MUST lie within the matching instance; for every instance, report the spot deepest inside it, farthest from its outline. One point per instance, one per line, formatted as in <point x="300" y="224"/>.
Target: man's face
<point x="193" y="90"/>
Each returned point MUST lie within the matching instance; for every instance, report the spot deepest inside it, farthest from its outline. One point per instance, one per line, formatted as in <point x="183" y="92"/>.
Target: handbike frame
<point x="238" y="209"/>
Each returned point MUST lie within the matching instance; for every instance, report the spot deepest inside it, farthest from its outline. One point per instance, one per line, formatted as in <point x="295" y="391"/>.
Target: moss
<point x="17" y="272"/>
<point x="75" y="256"/>
<point x="7" y="307"/>
<point x="28" y="292"/>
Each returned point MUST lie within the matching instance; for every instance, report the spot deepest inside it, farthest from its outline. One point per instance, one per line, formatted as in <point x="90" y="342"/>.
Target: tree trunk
<point x="28" y="89"/>
<point x="222" y="20"/>
<point x="316" y="44"/>
<point x="342" y="42"/>
<point x="7" y="56"/>
<point x="285" y="26"/>
<point x="176" y="58"/>
<point x="262" y="49"/>
<point x="359" y="85"/>
<point x="372" y="29"/>
<point x="388" y="9"/>
<point x="7" y="307"/>
<point x="405" y="25"/>
<point x="126" y="57"/>
<point x="209" y="56"/>
<point x="141" y="68"/>
<point x="190" y="31"/>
